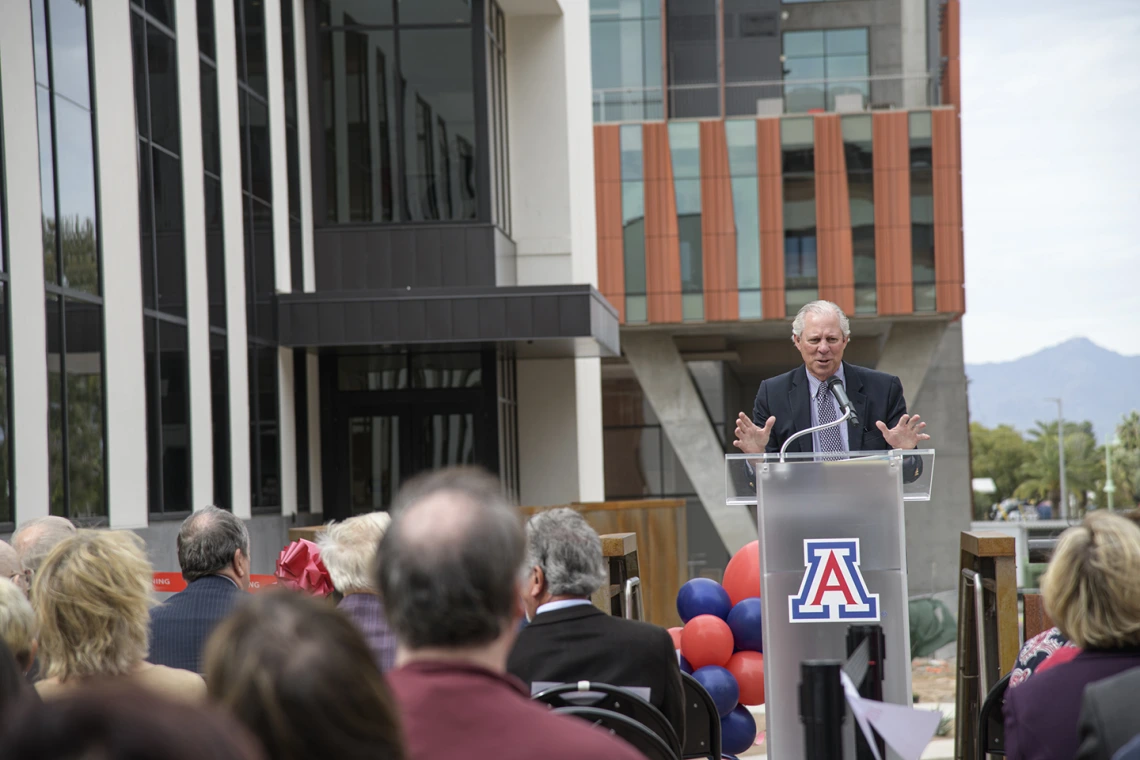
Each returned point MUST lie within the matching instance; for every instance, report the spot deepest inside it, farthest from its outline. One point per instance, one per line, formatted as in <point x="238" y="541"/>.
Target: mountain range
<point x="1094" y="383"/>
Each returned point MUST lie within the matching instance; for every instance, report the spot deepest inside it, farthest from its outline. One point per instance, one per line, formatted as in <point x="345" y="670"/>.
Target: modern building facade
<point x="280" y="255"/>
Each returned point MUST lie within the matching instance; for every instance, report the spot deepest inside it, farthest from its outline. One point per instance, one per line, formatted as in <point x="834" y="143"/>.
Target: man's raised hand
<point x="750" y="437"/>
<point x="907" y="434"/>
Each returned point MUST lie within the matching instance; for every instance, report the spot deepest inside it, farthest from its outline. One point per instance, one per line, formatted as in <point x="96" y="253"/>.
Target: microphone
<point x="835" y="385"/>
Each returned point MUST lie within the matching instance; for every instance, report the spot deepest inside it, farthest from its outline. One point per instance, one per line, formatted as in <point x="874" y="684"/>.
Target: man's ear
<point x="537" y="583"/>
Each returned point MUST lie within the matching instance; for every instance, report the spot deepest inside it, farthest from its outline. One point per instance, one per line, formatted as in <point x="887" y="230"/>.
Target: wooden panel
<point x="618" y="544"/>
<point x="718" y="227"/>
<point x="894" y="270"/>
<point x="607" y="201"/>
<point x="835" y="261"/>
<point x="770" y="177"/>
<point x="1036" y="618"/>
<point x="662" y="240"/>
<point x="948" y="266"/>
<point x="988" y="543"/>
<point x="1005" y="580"/>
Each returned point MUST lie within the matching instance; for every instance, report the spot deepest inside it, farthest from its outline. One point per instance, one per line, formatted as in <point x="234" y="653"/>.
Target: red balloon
<point x="748" y="668"/>
<point x="675" y="633"/>
<point x="706" y="640"/>
<point x="742" y="576"/>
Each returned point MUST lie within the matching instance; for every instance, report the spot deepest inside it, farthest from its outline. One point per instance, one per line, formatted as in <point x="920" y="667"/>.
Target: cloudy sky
<point x="1051" y="174"/>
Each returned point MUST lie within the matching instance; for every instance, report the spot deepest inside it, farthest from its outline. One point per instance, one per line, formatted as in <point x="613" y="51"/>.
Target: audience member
<point x="449" y="576"/>
<point x="17" y="625"/>
<point x="568" y="639"/>
<point x="12" y="568"/>
<point x="1092" y="592"/>
<point x="35" y="539"/>
<point x="120" y="721"/>
<point x="92" y="598"/>
<point x="213" y="552"/>
<point x="14" y="690"/>
<point x="348" y="550"/>
<point x="1109" y="718"/>
<point x="300" y="676"/>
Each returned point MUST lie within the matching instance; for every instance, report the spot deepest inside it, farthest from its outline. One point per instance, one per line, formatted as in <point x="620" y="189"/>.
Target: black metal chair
<point x="614" y="699"/>
<point x="642" y="738"/>
<point x="991" y="721"/>
<point x="702" y="721"/>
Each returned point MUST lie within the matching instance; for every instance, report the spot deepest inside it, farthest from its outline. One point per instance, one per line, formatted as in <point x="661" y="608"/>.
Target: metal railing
<point x="766" y="98"/>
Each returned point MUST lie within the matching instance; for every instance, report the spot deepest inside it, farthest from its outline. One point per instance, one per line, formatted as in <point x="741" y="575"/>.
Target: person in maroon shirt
<point x="449" y="575"/>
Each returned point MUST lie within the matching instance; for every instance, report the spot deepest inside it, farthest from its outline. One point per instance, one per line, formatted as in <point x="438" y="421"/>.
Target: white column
<point x="287" y="428"/>
<point x="115" y="144"/>
<point x="278" y="151"/>
<point x="28" y="381"/>
<point x="197" y="294"/>
<point x="316" y="492"/>
<point x="232" y="227"/>
<point x="591" y="457"/>
<point x="303" y="146"/>
<point x="580" y="145"/>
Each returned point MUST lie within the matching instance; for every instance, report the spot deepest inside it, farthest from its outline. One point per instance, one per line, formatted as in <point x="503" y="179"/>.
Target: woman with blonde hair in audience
<point x="1092" y="593"/>
<point x="92" y="597"/>
<point x="17" y="624"/>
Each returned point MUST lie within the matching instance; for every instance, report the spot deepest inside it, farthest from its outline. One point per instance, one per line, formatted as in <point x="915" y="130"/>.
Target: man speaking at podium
<point x="818" y="393"/>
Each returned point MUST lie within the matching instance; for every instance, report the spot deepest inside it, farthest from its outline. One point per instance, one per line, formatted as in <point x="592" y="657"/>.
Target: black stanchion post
<point x="872" y="685"/>
<point x="822" y="709"/>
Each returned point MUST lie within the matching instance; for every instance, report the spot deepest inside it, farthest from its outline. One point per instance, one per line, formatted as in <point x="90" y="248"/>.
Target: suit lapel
<point x="799" y="399"/>
<point x="854" y="388"/>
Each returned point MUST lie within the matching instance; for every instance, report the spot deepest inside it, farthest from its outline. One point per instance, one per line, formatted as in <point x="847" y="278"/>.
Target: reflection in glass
<point x="625" y="48"/>
<point x="169" y="241"/>
<point x="857" y="149"/>
<point x="5" y="427"/>
<point x="211" y="140"/>
<point x="84" y="373"/>
<point x="446" y="440"/>
<point x="450" y="370"/>
<point x="363" y="12"/>
<point x="693" y="58"/>
<point x="797" y="144"/>
<point x="261" y="167"/>
<point x="168" y="416"/>
<point x="215" y="253"/>
<point x="922" y="212"/>
<point x="67" y="21"/>
<point x="373" y="462"/>
<point x="265" y="460"/>
<point x="47" y="182"/>
<point x="162" y="70"/>
<point x="741" y="138"/>
<point x="206" y="33"/>
<point x="633" y="223"/>
<point x="55" y="407"/>
<point x="39" y="43"/>
<point x="815" y="64"/>
<point x="379" y="372"/>
<point x="220" y="428"/>
<point x="436" y="12"/>
<point x="75" y="172"/>
<point x="252" y="35"/>
<point x="685" y="154"/>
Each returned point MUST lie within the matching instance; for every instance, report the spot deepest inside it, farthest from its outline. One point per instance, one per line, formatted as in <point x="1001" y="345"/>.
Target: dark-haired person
<point x="299" y="675"/>
<point x="449" y="576"/>
<point x="117" y="721"/>
<point x="213" y="552"/>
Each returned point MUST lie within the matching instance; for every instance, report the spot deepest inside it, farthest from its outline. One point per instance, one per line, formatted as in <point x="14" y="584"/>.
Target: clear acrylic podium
<point x="832" y="554"/>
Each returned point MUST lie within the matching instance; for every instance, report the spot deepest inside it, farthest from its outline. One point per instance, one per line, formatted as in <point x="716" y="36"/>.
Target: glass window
<point x="265" y="460"/>
<point x="83" y="389"/>
<point x="741" y="138"/>
<point x="633" y="223"/>
<point x="220" y="408"/>
<point x="75" y="175"/>
<point x="685" y="152"/>
<point x="625" y="45"/>
<point x="436" y="12"/>
<point x="252" y="36"/>
<point x="6" y="511"/>
<point x="751" y="37"/>
<point x="819" y="65"/>
<point x="206" y="33"/>
<point x="301" y="415"/>
<point x="922" y="213"/>
<point x="162" y="72"/>
<point x="694" y="78"/>
<point x="47" y="182"/>
<point x="169" y="245"/>
<point x="67" y="23"/>
<point x="797" y="144"/>
<point x="358" y="12"/>
<point x="211" y="139"/>
<point x="857" y="149"/>
<point x="168" y="431"/>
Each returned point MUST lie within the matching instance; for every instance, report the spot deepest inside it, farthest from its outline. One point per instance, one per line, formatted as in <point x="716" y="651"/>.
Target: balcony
<point x="766" y="98"/>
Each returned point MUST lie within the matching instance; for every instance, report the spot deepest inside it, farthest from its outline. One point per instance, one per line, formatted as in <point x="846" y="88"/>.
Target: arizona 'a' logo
<point x="832" y="588"/>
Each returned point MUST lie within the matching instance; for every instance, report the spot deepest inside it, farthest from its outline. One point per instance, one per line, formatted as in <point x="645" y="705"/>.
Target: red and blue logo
<point x="833" y="589"/>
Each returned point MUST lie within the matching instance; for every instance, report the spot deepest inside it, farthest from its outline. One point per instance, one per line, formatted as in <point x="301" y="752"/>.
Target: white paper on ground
<point x="906" y="730"/>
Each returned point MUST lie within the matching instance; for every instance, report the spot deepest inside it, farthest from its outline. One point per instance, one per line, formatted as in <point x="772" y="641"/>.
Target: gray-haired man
<point x="569" y="639"/>
<point x="213" y="551"/>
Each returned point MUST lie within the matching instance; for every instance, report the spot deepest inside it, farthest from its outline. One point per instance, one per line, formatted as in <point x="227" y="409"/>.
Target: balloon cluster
<point x="721" y="644"/>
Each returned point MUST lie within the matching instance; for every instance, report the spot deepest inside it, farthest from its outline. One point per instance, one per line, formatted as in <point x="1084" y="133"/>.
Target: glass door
<point x="374" y="461"/>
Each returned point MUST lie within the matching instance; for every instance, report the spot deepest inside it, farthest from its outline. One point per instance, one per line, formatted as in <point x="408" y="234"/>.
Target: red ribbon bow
<point x="299" y="567"/>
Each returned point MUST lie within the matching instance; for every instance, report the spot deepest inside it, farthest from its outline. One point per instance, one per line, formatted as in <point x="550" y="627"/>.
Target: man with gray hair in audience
<point x="449" y="578"/>
<point x="213" y="552"/>
<point x="348" y="550"/>
<point x="12" y="568"/>
<point x="569" y="639"/>
<point x="35" y="538"/>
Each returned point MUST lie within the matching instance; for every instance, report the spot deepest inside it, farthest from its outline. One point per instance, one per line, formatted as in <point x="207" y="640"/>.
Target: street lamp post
<point x="1064" y="506"/>
<point x="1109" y="486"/>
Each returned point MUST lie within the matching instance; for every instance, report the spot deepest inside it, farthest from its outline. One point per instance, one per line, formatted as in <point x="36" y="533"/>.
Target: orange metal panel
<point x="770" y="176"/>
<point x="718" y="226"/>
<point x="836" y="263"/>
<point x="662" y="240"/>
<point x="951" y="50"/>
<point x="894" y="271"/>
<point x="948" y="265"/>
<point x="607" y="201"/>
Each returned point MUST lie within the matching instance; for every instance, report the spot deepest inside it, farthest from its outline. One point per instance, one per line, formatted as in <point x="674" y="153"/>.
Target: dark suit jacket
<point x="585" y="644"/>
<point x="1109" y="717"/>
<point x="180" y="626"/>
<point x="1041" y="714"/>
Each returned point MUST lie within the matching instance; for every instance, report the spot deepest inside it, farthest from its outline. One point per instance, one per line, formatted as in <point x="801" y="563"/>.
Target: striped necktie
<point x="829" y="439"/>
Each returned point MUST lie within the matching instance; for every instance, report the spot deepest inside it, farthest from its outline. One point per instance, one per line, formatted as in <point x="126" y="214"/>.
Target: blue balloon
<point x="685" y="666"/>
<point x="703" y="596"/>
<point x="721" y="686"/>
<point x="746" y="623"/>
<point x="737" y="731"/>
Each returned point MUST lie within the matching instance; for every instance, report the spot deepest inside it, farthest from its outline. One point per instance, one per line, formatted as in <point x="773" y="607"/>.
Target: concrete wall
<point x="268" y="535"/>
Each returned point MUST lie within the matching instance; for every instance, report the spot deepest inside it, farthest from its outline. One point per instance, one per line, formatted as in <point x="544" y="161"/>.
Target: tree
<point x="1041" y="474"/>
<point x="1125" y="465"/>
<point x="998" y="453"/>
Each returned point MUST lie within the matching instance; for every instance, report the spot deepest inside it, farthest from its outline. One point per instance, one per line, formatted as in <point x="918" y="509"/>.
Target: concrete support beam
<point x="907" y="353"/>
<point x="667" y="385"/>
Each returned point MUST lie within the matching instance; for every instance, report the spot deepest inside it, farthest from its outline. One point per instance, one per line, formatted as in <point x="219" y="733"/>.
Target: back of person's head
<point x="117" y="721"/>
<point x="17" y="623"/>
<point x="1092" y="585"/>
<point x="299" y="675"/>
<point x="35" y="539"/>
<point x="11" y="567"/>
<point x="568" y="551"/>
<point x="14" y="689"/>
<point x="208" y="540"/>
<point x="348" y="550"/>
<point x="449" y="563"/>
<point x="93" y="596"/>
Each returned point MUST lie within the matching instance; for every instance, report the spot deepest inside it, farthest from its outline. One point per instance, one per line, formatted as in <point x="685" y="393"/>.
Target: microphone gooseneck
<point x="835" y="385"/>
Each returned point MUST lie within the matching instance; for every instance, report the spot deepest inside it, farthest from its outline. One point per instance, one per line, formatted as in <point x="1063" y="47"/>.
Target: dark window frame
<point x="6" y="360"/>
